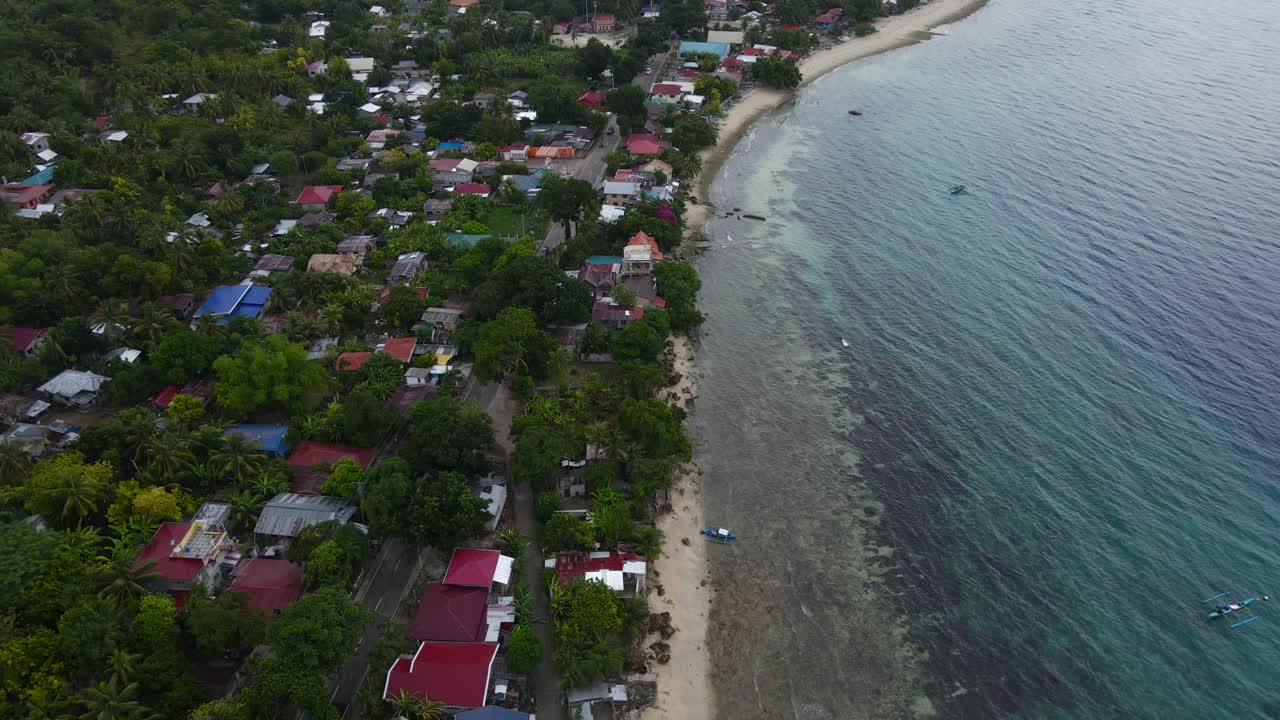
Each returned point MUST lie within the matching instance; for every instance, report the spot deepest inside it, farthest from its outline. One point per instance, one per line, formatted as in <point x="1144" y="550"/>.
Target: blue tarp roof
<point x="491" y="713"/>
<point x="44" y="177"/>
<point x="603" y="260"/>
<point x="689" y="47"/>
<point x="449" y="146"/>
<point x="233" y="301"/>
<point x="269" y="437"/>
<point x="525" y="183"/>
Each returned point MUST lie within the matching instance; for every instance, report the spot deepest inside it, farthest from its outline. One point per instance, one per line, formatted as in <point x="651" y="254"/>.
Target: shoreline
<point x="891" y="33"/>
<point x="683" y="571"/>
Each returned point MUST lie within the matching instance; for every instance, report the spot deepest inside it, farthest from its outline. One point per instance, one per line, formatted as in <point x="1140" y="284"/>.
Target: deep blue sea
<point x="1056" y="428"/>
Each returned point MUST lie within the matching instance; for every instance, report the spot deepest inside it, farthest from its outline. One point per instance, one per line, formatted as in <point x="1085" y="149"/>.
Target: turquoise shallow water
<point x="1055" y="430"/>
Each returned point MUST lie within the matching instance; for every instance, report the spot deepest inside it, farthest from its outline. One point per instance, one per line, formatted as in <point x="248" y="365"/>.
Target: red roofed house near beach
<point x="165" y="397"/>
<point x="455" y="674"/>
<point x="315" y="197"/>
<point x="644" y="145"/>
<point x="478" y="568"/>
<point x="185" y="554"/>
<point x="613" y="568"/>
<point x="271" y="584"/>
<point x="615" y="316"/>
<point x="25" y="340"/>
<point x="592" y="99"/>
<point x="450" y="613"/>
<point x="666" y="90"/>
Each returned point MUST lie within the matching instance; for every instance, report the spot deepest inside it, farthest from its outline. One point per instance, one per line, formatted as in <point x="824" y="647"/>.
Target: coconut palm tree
<point x="152" y="324"/>
<point x="119" y="579"/>
<point x="412" y="707"/>
<point x="169" y="457"/>
<point x="123" y="664"/>
<point x="245" y="507"/>
<point x="267" y="484"/>
<point x="113" y="700"/>
<point x="77" y="495"/>
<point x="15" y="463"/>
<point x="238" y="459"/>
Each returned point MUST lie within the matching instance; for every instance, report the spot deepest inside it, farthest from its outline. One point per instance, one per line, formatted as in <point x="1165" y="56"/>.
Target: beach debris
<point x="752" y="217"/>
<point x="661" y="652"/>
<point x="641" y="693"/>
<point x="685" y="541"/>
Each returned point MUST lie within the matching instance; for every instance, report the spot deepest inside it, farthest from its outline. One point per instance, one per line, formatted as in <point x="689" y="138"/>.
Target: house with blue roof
<point x="449" y="146"/>
<point x="689" y="47"/>
<point x="233" y="301"/>
<point x="269" y="438"/>
<point x="525" y="183"/>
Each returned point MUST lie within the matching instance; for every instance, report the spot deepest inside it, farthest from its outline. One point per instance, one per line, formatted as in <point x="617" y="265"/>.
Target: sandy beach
<point x="892" y="33"/>
<point x="684" y="684"/>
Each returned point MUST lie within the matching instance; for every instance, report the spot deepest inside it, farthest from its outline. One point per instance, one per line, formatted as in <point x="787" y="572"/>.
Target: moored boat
<point x="718" y="535"/>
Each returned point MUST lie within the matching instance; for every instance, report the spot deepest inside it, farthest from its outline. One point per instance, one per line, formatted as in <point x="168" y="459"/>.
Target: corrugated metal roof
<point x="287" y="514"/>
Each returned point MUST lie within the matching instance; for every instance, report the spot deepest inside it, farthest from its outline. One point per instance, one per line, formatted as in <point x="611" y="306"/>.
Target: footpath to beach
<point x="684" y="684"/>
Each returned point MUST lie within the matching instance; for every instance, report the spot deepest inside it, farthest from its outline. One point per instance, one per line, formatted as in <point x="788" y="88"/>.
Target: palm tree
<point x="406" y="705"/>
<point x="245" y="507"/>
<point x="123" y="664"/>
<point x="267" y="484"/>
<point x="119" y="578"/>
<point x="15" y="463"/>
<point x="77" y="495"/>
<point x="169" y="457"/>
<point x="114" y="316"/>
<point x="152" y="324"/>
<point x="110" y="701"/>
<point x="238" y="459"/>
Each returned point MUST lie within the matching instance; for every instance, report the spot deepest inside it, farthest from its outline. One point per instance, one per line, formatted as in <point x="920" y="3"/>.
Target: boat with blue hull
<point x="1226" y="603"/>
<point x="718" y="535"/>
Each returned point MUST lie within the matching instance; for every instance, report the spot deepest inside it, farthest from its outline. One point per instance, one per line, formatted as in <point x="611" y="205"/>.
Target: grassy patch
<point x="515" y="221"/>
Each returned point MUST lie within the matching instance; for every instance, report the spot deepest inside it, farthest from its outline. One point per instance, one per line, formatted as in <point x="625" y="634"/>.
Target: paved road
<point x="381" y="589"/>
<point x="592" y="167"/>
<point x="501" y="405"/>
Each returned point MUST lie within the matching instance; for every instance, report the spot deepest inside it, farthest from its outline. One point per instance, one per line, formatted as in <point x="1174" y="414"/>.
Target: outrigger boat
<point x="1226" y="603"/>
<point x="718" y="535"/>
<point x="956" y="189"/>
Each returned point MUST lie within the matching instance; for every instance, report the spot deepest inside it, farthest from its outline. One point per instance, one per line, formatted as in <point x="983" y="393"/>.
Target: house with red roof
<point x="25" y="340"/>
<point x="450" y="613"/>
<point x="666" y="92"/>
<point x="352" y="361"/>
<point x="643" y="144"/>
<point x="514" y="153"/>
<point x="622" y="572"/>
<point x="184" y="554"/>
<point x="25" y="196"/>
<point x="562" y="28"/>
<point x="603" y="23"/>
<point x="165" y="397"/>
<point x="592" y="98"/>
<point x="456" y="674"/>
<point x="472" y="188"/>
<point x="316" y="197"/>
<point x="401" y="348"/>
<point x="310" y="453"/>
<point x="471" y="567"/>
<point x="271" y="584"/>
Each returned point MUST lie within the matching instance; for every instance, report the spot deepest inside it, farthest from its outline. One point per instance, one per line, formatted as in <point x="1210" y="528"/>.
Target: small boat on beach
<point x="718" y="535"/>
<point x="956" y="189"/>
<point x="1226" y="603"/>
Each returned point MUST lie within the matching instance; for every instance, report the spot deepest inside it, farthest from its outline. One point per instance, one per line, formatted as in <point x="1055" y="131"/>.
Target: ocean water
<point x="1055" y="428"/>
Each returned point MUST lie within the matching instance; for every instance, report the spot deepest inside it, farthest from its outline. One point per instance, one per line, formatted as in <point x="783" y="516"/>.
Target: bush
<point x="863" y="29"/>
<point x="524" y="649"/>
